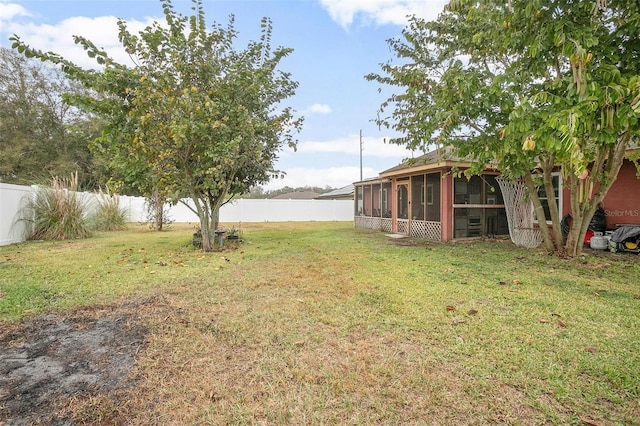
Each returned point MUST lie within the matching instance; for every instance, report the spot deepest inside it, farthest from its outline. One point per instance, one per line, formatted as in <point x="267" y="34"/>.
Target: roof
<point x="438" y="158"/>
<point x="297" y="195"/>
<point x="443" y="158"/>
<point x="373" y="180"/>
<point x="344" y="192"/>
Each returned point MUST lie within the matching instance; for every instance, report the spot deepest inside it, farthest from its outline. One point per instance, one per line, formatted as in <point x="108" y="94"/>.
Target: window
<point x="430" y="194"/>
<point x="542" y="195"/>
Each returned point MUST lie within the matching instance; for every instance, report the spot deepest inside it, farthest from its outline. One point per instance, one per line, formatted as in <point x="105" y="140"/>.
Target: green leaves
<point x="195" y="116"/>
<point x="490" y="78"/>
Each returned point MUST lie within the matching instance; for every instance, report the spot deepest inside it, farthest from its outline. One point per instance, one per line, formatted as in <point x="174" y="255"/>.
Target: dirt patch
<point x="49" y="360"/>
<point x="624" y="256"/>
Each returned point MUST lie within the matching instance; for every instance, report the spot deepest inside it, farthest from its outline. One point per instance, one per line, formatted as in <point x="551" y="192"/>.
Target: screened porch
<point x="373" y="209"/>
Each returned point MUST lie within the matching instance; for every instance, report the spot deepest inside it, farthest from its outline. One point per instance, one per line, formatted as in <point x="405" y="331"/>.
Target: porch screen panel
<point x="385" y="199"/>
<point x="468" y="191"/>
<point x="467" y="223"/>
<point x="375" y="196"/>
<point x="432" y="197"/>
<point x="418" y="197"/>
<point x="367" y="200"/>
<point x="403" y="201"/>
<point x="358" y="206"/>
<point x="496" y="221"/>
<point x="493" y="194"/>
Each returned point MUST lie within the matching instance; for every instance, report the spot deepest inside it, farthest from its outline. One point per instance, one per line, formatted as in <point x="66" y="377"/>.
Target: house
<point x="344" y="193"/>
<point x="297" y="195"/>
<point x="425" y="198"/>
<point x="622" y="203"/>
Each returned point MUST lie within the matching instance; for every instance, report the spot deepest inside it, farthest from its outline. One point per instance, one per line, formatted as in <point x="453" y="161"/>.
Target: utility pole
<point x="361" y="144"/>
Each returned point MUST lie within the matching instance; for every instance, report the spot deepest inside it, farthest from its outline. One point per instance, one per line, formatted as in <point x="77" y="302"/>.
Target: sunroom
<point x="427" y="198"/>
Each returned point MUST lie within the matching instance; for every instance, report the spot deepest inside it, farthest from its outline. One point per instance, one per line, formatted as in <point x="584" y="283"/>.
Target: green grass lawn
<point x="321" y="323"/>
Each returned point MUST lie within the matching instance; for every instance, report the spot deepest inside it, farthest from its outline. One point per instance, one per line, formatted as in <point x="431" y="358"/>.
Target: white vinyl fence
<point x="11" y="197"/>
<point x="264" y="210"/>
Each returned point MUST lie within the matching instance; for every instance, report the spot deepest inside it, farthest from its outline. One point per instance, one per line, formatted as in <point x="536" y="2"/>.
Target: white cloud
<point x="58" y="38"/>
<point x="350" y="145"/>
<point x="335" y="177"/>
<point x="9" y="11"/>
<point x="381" y="12"/>
<point x="319" y="109"/>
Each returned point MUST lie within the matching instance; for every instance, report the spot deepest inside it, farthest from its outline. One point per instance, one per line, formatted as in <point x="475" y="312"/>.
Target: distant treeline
<point x="259" y="192"/>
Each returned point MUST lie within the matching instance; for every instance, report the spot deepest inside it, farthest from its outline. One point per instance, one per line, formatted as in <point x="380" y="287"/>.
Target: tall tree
<point x="36" y="137"/>
<point x="534" y="85"/>
<point x="195" y="116"/>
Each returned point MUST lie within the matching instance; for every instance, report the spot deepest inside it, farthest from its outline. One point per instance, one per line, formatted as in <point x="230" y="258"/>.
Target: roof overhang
<point x="411" y="170"/>
<point x="372" y="181"/>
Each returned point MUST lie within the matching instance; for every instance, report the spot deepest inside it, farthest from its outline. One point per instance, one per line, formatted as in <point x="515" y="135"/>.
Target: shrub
<point x="108" y="215"/>
<point x="56" y="213"/>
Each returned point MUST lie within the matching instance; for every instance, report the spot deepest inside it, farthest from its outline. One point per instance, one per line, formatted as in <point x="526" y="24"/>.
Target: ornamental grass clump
<point x="56" y="213"/>
<point x="108" y="215"/>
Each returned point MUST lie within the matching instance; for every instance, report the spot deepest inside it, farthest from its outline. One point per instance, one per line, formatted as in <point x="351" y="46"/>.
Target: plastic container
<point x="587" y="237"/>
<point x="598" y="242"/>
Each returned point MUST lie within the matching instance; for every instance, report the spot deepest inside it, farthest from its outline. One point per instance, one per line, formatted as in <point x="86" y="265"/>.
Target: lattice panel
<point x="361" y="222"/>
<point x="428" y="230"/>
<point x="367" y="222"/>
<point x="419" y="229"/>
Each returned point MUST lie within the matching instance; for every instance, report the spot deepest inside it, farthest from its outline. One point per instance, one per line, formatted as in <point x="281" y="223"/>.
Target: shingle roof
<point x="442" y="157"/>
<point x="297" y="195"/>
<point x="345" y="191"/>
<point x="434" y="157"/>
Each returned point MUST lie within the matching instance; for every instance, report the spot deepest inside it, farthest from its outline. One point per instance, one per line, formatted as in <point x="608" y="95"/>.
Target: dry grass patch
<point x="278" y="367"/>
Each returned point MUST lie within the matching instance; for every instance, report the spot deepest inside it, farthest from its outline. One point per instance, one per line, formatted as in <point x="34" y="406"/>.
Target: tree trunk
<point x="584" y="202"/>
<point x="214" y="213"/>
<point x="205" y="226"/>
<point x="207" y="243"/>
<point x="575" y="236"/>
<point x="547" y="241"/>
<point x="554" y="214"/>
<point x="208" y="210"/>
<point x="202" y="210"/>
<point x="158" y="210"/>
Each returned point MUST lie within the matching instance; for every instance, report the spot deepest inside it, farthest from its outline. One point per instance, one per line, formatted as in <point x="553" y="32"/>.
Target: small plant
<point x="108" y="215"/>
<point x="234" y="234"/>
<point x="197" y="239"/>
<point x="56" y="213"/>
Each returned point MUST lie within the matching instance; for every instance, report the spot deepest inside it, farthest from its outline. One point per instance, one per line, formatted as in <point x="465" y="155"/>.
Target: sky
<point x="335" y="42"/>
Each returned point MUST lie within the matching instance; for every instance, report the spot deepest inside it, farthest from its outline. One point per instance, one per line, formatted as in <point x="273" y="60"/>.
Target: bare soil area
<point x="47" y="361"/>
